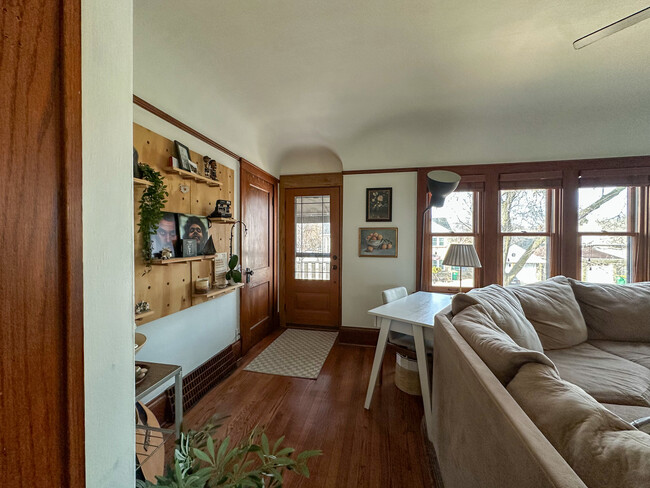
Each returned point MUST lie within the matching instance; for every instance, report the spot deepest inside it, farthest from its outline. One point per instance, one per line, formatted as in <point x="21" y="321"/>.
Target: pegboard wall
<point x="169" y="288"/>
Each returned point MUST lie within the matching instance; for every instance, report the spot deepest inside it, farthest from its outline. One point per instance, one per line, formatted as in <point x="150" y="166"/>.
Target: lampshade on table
<point x="463" y="256"/>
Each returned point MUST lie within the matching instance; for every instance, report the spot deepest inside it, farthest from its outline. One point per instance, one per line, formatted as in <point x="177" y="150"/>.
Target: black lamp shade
<point x="440" y="184"/>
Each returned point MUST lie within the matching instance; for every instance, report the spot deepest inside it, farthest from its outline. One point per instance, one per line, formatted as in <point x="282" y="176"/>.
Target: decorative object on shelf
<point x="220" y="269"/>
<point x="194" y="227"/>
<point x="140" y="339"/>
<point x="463" y="256"/>
<point x="440" y="184"/>
<point x="189" y="248"/>
<point x="194" y="168"/>
<point x="233" y="274"/>
<point x="202" y="285"/>
<point x="136" y="168"/>
<point x="210" y="168"/>
<point x="166" y="253"/>
<point x="232" y="230"/>
<point x="201" y="460"/>
<point x="213" y="170"/>
<point x="380" y="242"/>
<point x="141" y="307"/>
<point x="221" y="210"/>
<point x="166" y="235"/>
<point x="174" y="162"/>
<point x="379" y="204"/>
<point x="209" y="248"/>
<point x="183" y="188"/>
<point x="152" y="202"/>
<point x="183" y="155"/>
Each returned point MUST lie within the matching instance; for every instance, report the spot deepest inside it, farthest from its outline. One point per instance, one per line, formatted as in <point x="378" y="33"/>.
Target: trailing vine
<point x="152" y="203"/>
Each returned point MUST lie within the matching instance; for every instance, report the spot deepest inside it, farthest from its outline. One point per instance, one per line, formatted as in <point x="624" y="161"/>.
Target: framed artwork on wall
<point x="183" y="154"/>
<point x="166" y="235"/>
<point x="194" y="227"/>
<point x="378" y="242"/>
<point x="379" y="204"/>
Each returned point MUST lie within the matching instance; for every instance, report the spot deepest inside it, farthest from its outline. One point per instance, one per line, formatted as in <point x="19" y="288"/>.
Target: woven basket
<point x="407" y="378"/>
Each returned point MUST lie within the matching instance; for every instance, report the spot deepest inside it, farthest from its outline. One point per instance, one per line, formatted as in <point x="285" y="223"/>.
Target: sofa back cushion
<point x="553" y="310"/>
<point x="615" y="312"/>
<point x="604" y="450"/>
<point x="496" y="349"/>
<point x="504" y="308"/>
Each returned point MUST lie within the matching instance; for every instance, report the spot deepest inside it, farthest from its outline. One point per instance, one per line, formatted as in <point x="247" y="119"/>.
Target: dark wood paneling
<point x="41" y="338"/>
<point x="358" y="336"/>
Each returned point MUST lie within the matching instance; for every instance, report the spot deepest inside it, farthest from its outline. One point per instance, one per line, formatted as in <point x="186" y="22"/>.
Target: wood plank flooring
<point x="382" y="447"/>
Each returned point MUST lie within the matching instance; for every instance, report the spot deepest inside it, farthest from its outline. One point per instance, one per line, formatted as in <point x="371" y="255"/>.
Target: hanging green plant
<point x="233" y="273"/>
<point x="152" y="203"/>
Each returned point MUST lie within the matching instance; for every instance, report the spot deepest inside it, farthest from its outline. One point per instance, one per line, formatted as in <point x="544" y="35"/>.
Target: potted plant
<point x="233" y="275"/>
<point x="153" y="201"/>
<point x="202" y="462"/>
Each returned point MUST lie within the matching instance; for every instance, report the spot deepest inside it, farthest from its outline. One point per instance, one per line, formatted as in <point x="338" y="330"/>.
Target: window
<point x="312" y="237"/>
<point x="606" y="228"/>
<point x="455" y="222"/>
<point x="525" y="235"/>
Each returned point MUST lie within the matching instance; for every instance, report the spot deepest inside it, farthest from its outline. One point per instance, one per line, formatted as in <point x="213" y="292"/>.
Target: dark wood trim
<point x="315" y="180"/>
<point x="160" y="408"/>
<point x="373" y="171"/>
<point x="257" y="171"/>
<point x="358" y="336"/>
<point x="174" y="121"/>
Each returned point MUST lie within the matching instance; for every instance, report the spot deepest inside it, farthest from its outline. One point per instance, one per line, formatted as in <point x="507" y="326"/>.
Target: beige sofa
<point x="536" y="386"/>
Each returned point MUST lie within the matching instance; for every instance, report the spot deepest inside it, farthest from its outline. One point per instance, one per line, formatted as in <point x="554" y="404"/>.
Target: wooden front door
<point x="313" y="263"/>
<point x="258" y="298"/>
<point x="41" y="279"/>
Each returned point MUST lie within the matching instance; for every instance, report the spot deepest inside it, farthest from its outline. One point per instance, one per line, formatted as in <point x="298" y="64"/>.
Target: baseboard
<point x="197" y="383"/>
<point x="358" y="336"/>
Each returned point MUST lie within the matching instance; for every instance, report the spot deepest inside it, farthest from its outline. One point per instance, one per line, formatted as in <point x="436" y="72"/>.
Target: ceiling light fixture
<point x="612" y="28"/>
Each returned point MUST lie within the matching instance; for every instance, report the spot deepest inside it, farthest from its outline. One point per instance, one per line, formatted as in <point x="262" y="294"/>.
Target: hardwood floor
<point x="382" y="447"/>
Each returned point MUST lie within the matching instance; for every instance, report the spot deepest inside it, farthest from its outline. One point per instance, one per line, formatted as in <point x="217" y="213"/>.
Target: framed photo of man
<point x="194" y="227"/>
<point x="166" y="235"/>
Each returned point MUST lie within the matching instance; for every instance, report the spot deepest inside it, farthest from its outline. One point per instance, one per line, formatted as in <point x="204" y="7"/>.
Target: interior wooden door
<point x="313" y="264"/>
<point x="258" y="297"/>
<point x="41" y="311"/>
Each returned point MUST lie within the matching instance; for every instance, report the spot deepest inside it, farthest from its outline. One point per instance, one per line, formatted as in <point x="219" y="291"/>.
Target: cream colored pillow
<point x="495" y="348"/>
<point x="505" y="310"/>
<point x="615" y="312"/>
<point x="604" y="450"/>
<point x="553" y="310"/>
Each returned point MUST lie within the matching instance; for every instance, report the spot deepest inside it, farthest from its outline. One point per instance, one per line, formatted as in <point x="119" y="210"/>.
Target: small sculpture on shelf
<point x="166" y="253"/>
<point x="206" y="166"/>
<point x="141" y="307"/>
<point x="213" y="170"/>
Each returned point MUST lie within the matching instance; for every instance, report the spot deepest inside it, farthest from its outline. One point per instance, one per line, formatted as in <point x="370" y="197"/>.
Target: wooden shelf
<point x="188" y="175"/>
<point x="222" y="220"/>
<point x="166" y="262"/>
<point x="215" y="292"/>
<point x="144" y="315"/>
<point x="141" y="182"/>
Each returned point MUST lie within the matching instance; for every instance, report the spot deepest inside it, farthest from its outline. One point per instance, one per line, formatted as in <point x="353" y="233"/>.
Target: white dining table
<point x="409" y="315"/>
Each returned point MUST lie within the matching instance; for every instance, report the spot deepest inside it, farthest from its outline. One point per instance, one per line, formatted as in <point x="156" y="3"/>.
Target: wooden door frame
<point x="63" y="111"/>
<point x="249" y="167"/>
<point x="318" y="180"/>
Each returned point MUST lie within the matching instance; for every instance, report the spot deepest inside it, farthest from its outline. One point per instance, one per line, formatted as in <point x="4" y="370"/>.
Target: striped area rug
<point x="299" y="353"/>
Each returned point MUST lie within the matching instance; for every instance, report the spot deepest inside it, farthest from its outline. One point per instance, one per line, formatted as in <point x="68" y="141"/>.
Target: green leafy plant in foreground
<point x="202" y="462"/>
<point x="153" y="201"/>
<point x="233" y="273"/>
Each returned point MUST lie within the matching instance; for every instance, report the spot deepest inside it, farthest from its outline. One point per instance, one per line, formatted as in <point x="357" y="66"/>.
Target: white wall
<point x="365" y="278"/>
<point x="107" y="69"/>
<point x="192" y="336"/>
<point x="310" y="160"/>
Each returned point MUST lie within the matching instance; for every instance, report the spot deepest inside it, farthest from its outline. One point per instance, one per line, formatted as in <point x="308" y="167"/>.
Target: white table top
<point x="420" y="308"/>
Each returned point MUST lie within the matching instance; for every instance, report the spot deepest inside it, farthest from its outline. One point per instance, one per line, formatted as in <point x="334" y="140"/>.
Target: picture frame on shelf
<point x="378" y="242"/>
<point x="189" y="248"/>
<point x="194" y="227"/>
<point x="183" y="155"/>
<point x="379" y="204"/>
<point x="166" y="236"/>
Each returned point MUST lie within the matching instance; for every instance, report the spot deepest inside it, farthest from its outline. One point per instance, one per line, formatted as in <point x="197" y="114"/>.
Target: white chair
<point x="400" y="338"/>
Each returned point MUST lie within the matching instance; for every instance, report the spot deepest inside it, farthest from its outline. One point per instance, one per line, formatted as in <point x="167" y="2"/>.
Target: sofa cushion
<point x="637" y="352"/>
<point x="605" y="376"/>
<point x="505" y="310"/>
<point x="553" y="310"/>
<point x="502" y="355"/>
<point x="604" y="450"/>
<point x="615" y="312"/>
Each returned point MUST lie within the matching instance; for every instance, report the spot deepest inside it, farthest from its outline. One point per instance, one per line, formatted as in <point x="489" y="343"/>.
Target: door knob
<point x="249" y="272"/>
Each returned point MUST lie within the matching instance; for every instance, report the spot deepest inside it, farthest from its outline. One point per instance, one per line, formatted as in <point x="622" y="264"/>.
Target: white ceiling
<point x="389" y="83"/>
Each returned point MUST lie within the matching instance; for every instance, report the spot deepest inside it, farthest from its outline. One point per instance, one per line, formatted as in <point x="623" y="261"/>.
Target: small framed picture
<point x="379" y="204"/>
<point x="183" y="154"/>
<point x="378" y="242"/>
<point x="166" y="235"/>
<point x="189" y="248"/>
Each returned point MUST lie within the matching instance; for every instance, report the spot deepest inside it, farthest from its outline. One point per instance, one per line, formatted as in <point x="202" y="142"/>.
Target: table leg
<point x="423" y="370"/>
<point x="178" y="397"/>
<point x="379" y="357"/>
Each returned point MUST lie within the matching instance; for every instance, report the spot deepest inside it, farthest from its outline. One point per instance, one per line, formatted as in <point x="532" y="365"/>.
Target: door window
<point x="312" y="216"/>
